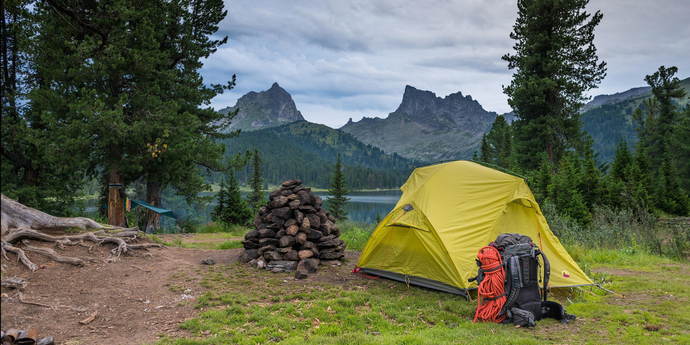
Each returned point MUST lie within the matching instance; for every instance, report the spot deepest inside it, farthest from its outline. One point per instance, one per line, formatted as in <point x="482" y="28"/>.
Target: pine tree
<point x="555" y="63"/>
<point x="669" y="197"/>
<point x="338" y="190"/>
<point x="231" y="208"/>
<point x="564" y="191"/>
<point x="256" y="197"/>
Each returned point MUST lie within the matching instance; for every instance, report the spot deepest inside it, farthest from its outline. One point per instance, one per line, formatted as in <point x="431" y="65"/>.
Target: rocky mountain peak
<point x="265" y="109"/>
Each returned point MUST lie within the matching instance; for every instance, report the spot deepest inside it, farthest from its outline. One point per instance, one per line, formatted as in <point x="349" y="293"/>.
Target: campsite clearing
<point x="167" y="296"/>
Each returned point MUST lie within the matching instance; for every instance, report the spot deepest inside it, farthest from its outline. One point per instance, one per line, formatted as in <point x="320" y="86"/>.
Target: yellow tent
<point x="446" y="214"/>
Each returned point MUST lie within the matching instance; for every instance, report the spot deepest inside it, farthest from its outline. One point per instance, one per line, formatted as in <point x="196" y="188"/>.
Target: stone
<point x="283" y="212"/>
<point x="284" y="250"/>
<point x="339" y="248"/>
<point x="280" y="233"/>
<point x="322" y="217"/>
<point x="335" y="231"/>
<point x="285" y="192"/>
<point x="312" y="199"/>
<point x="301" y="274"/>
<point x="297" y="189"/>
<point x="315" y="251"/>
<point x="291" y="256"/>
<point x="292" y="230"/>
<point x="292" y="197"/>
<point x="257" y="221"/>
<point x="272" y="256"/>
<point x="314" y="221"/>
<point x="208" y="261"/>
<point x="291" y="183"/>
<point x="301" y="238"/>
<point x="263" y="209"/>
<point x="274" y="194"/>
<point x="285" y="266"/>
<point x="267" y="233"/>
<point x="286" y="241"/>
<point x="253" y="245"/>
<point x="248" y="255"/>
<point x="264" y="249"/>
<point x="278" y="220"/>
<point x="314" y="235"/>
<point x="326" y="230"/>
<point x="330" y="243"/>
<point x="267" y="241"/>
<point x="307" y="209"/>
<point x="278" y="202"/>
<point x="260" y="263"/>
<point x="305" y="227"/>
<point x="308" y="245"/>
<point x="303" y="198"/>
<point x="294" y="204"/>
<point x="251" y="234"/>
<point x="299" y="216"/>
<point x="327" y="238"/>
<point x="303" y="254"/>
<point x="277" y="270"/>
<point x="252" y="263"/>
<point x="274" y="226"/>
<point x="291" y="221"/>
<point x="262" y="226"/>
<point x="332" y="256"/>
<point x="318" y="201"/>
<point x="331" y="218"/>
<point x="307" y="265"/>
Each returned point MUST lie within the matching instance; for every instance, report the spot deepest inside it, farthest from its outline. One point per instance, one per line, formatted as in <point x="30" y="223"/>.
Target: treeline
<point x="651" y="174"/>
<point x="308" y="152"/>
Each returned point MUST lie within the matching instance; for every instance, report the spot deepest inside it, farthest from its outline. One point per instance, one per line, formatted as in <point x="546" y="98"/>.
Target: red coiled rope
<point x="489" y="303"/>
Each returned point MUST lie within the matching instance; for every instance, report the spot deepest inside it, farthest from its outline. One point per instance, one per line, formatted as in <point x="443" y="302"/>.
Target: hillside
<point x="612" y="120"/>
<point x="426" y="127"/>
<point x="265" y="109"/>
<point x="308" y="151"/>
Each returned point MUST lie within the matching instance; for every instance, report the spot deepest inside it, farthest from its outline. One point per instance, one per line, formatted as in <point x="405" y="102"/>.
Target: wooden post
<point x="116" y="201"/>
<point x="153" y="197"/>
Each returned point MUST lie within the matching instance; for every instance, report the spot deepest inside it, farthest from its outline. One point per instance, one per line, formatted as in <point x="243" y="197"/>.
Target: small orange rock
<point x="42" y="266"/>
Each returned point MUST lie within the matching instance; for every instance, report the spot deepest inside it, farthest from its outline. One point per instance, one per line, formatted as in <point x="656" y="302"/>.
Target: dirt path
<point x="137" y="298"/>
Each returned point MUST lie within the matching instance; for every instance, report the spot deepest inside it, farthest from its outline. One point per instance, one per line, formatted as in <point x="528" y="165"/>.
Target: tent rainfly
<point x="446" y="214"/>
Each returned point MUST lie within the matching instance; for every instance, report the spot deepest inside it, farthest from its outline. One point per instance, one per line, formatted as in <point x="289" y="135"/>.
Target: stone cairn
<point x="293" y="233"/>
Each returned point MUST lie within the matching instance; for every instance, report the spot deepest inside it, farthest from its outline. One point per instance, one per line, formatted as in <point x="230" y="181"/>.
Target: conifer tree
<point x="231" y="208"/>
<point x="564" y="191"/>
<point x="555" y="63"/>
<point x="669" y="197"/>
<point x="338" y="190"/>
<point x="591" y="180"/>
<point x="496" y="146"/>
<point x="256" y="197"/>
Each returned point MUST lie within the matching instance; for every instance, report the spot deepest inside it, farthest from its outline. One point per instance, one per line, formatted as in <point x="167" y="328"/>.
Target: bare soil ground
<point x="137" y="297"/>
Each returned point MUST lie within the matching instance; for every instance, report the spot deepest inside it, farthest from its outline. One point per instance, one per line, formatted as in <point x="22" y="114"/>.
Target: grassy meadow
<point x="650" y="305"/>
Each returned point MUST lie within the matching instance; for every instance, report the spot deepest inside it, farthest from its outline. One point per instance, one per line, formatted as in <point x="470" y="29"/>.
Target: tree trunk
<point x="116" y="201"/>
<point x="153" y="197"/>
<point x="16" y="215"/>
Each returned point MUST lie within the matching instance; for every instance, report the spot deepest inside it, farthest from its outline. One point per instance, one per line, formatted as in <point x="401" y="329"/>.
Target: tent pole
<point x="607" y="290"/>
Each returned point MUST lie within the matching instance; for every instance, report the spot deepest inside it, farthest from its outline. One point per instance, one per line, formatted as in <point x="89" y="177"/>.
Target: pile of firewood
<point x="24" y="337"/>
<point x="293" y="233"/>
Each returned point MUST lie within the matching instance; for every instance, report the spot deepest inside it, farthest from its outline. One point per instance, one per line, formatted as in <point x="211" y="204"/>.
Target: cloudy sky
<point x="349" y="58"/>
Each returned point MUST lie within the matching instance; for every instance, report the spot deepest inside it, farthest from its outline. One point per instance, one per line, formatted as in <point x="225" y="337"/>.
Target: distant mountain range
<point x="265" y="109"/>
<point x="608" y="118"/>
<point x="426" y="127"/>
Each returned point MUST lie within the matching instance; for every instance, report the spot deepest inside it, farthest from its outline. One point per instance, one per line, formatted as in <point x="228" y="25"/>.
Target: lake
<point x="362" y="206"/>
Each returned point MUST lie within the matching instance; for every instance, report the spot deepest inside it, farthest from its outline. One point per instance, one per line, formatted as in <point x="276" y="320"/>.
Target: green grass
<point x="355" y="234"/>
<point x="204" y="241"/>
<point x="249" y="306"/>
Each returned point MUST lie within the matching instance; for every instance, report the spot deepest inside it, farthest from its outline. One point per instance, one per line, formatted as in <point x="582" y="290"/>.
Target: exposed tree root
<point x="14" y="283"/>
<point x="20" y="223"/>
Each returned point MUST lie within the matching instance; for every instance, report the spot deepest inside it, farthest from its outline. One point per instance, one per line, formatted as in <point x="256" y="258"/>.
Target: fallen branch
<point x="21" y="256"/>
<point x="89" y="319"/>
<point x="21" y="299"/>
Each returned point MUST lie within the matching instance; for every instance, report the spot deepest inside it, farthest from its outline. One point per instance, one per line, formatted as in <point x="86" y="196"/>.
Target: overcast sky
<point x="349" y="58"/>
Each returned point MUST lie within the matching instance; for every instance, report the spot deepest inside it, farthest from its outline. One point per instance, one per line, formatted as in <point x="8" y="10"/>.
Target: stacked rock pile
<point x="292" y="232"/>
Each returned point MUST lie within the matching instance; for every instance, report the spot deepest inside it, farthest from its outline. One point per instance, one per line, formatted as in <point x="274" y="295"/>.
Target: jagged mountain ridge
<point x="426" y="127"/>
<point x="258" y="110"/>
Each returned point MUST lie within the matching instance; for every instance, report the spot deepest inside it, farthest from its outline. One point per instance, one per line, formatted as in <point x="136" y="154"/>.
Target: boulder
<point x="303" y="198"/>
<point x="248" y="255"/>
<point x="308" y="265"/>
<point x="294" y="204"/>
<point x="322" y="217"/>
<point x="330" y="243"/>
<point x="299" y="216"/>
<point x="314" y="235"/>
<point x="282" y="265"/>
<point x="267" y="241"/>
<point x="278" y="220"/>
<point x="308" y="245"/>
<point x="263" y="210"/>
<point x="280" y="233"/>
<point x="251" y="234"/>
<point x="283" y="250"/>
<point x="303" y="254"/>
<point x="314" y="221"/>
<point x="264" y="233"/>
<point x="291" y="221"/>
<point x="318" y="201"/>
<point x="284" y="212"/>
<point x="274" y="194"/>
<point x="260" y="262"/>
<point x="278" y="202"/>
<point x="292" y="230"/>
<point x="286" y="241"/>
<point x="292" y="255"/>
<point x="307" y="209"/>
<point x="291" y="183"/>
<point x="254" y="245"/>
<point x="274" y="226"/>
<point x="297" y="189"/>
<point x="301" y="238"/>
<point x="272" y="256"/>
<point x="264" y="249"/>
<point x="300" y="274"/>
<point x="305" y="227"/>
